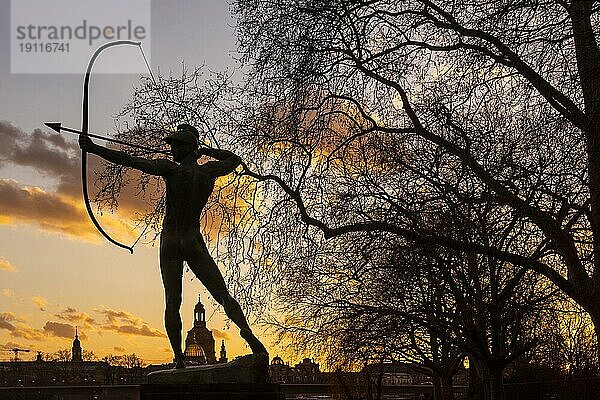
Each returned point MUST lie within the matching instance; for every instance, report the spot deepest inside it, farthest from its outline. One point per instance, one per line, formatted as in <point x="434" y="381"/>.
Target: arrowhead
<point x="54" y="125"/>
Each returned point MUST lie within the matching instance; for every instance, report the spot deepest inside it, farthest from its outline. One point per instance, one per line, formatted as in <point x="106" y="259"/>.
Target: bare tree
<point x="112" y="359"/>
<point x="89" y="355"/>
<point x="358" y="105"/>
<point x="364" y="297"/>
<point x="63" y="355"/>
<point x="567" y="340"/>
<point x="132" y="361"/>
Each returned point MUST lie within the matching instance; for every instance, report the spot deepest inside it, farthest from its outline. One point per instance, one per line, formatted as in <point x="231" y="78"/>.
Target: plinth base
<point x="214" y="391"/>
<point x="251" y="368"/>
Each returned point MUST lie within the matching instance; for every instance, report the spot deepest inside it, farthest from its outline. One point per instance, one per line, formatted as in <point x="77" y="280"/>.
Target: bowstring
<point x="164" y="102"/>
<point x="170" y="117"/>
<point x="214" y="139"/>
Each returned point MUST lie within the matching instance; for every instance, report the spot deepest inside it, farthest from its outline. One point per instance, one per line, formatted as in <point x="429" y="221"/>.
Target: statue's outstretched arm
<point x="159" y="167"/>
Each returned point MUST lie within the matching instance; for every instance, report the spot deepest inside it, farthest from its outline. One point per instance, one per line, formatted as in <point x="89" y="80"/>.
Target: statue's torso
<point x="188" y="190"/>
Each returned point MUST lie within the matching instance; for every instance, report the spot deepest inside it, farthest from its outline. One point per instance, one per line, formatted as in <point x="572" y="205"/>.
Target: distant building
<point x="200" y="343"/>
<point x="199" y="349"/>
<point x="306" y="371"/>
<point x="278" y="370"/>
<point x="395" y="374"/>
<point x="223" y="354"/>
<point x="76" y="352"/>
<point x="40" y="372"/>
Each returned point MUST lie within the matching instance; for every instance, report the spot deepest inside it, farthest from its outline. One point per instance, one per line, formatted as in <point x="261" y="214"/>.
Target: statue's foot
<point x="255" y="345"/>
<point x="179" y="363"/>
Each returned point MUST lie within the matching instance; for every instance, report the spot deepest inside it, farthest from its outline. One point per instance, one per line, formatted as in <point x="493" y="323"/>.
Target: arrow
<point x="57" y="126"/>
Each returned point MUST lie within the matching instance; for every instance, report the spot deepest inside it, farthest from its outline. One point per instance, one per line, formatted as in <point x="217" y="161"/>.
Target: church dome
<point x="195" y="354"/>
<point x="200" y="343"/>
<point x="193" y="350"/>
<point x="277" y="361"/>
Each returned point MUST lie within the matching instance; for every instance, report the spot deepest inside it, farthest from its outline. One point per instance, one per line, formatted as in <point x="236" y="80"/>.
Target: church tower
<point x="223" y="355"/>
<point x="76" y="350"/>
<point x="199" y="343"/>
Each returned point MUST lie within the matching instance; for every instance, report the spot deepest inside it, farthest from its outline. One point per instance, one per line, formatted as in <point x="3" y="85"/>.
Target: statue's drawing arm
<point x="227" y="163"/>
<point x="160" y="167"/>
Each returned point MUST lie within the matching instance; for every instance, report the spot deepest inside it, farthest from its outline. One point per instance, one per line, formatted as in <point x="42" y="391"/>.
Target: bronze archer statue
<point x="188" y="186"/>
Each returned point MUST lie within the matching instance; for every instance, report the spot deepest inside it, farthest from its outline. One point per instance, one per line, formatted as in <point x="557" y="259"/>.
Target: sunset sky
<point x="56" y="271"/>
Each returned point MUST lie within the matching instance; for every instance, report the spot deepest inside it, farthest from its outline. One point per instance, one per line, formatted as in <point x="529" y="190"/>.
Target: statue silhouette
<point x="188" y="186"/>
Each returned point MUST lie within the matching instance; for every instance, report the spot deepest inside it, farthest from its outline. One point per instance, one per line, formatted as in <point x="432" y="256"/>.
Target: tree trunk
<point x="475" y="391"/>
<point x="595" y="316"/>
<point x="379" y="386"/>
<point x="447" y="388"/>
<point x="437" y="388"/>
<point x="491" y="381"/>
<point x="588" y="59"/>
<point x="496" y="385"/>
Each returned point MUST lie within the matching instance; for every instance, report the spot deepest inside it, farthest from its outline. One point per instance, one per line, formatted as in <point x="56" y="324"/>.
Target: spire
<point x="223" y="357"/>
<point x="76" y="349"/>
<point x="199" y="313"/>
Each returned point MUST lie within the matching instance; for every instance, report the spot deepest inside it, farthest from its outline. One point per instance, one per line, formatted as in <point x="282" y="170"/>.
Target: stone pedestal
<point x="244" y="378"/>
<point x="253" y="368"/>
<point x="217" y="391"/>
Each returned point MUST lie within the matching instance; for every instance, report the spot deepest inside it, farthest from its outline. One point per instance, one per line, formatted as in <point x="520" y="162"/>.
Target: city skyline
<point x="21" y="353"/>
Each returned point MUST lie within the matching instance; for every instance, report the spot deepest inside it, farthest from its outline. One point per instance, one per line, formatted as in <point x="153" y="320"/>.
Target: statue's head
<point x="183" y="142"/>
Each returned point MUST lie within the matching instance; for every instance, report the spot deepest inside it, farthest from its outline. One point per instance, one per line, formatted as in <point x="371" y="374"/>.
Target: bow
<point x="84" y="131"/>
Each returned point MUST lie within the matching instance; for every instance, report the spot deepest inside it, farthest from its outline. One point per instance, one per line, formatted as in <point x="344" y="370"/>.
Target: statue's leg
<point x="205" y="268"/>
<point x="171" y="272"/>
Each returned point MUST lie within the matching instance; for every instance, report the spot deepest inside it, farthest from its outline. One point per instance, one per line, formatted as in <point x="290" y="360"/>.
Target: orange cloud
<point x="143" y="330"/>
<point x="19" y="329"/>
<point x="6" y="266"/>
<point x="220" y="334"/>
<point x="79" y="318"/>
<point x="11" y="345"/>
<point x="6" y="319"/>
<point x="61" y="211"/>
<point x="40" y="302"/>
<point x="59" y="329"/>
<point x="114" y="316"/>
<point x="54" y="213"/>
<point x="126" y="323"/>
<point x="25" y="331"/>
